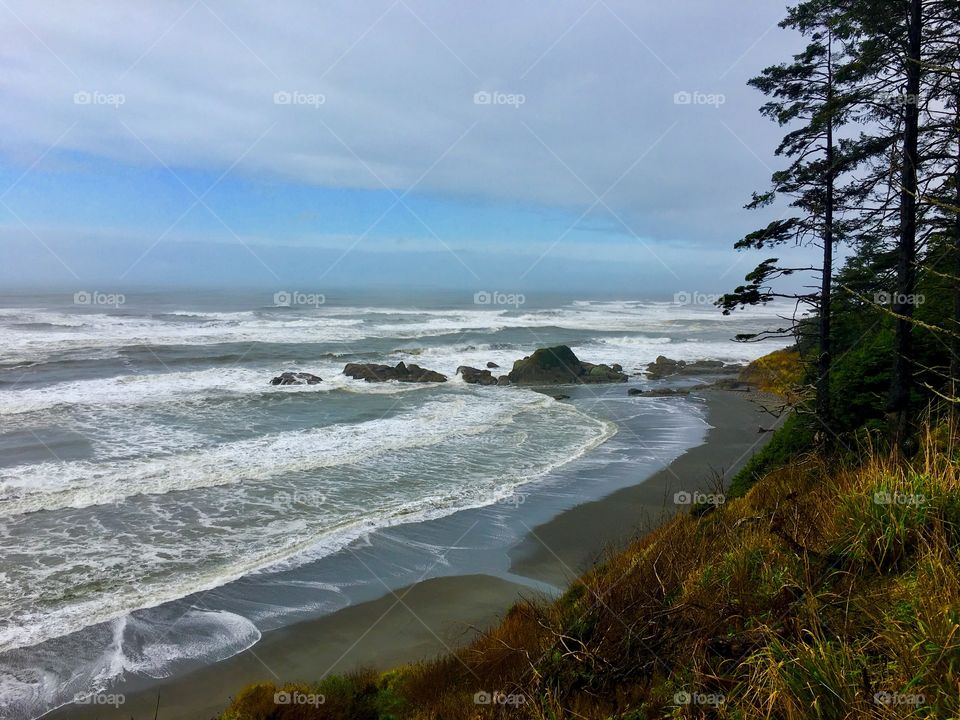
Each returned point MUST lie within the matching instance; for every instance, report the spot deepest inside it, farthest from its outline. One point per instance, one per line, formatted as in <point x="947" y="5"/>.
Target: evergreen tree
<point x="805" y="98"/>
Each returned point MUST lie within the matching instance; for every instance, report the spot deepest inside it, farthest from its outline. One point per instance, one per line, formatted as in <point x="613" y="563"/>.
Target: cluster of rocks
<point x="658" y="392"/>
<point x="556" y="365"/>
<point x="546" y="366"/>
<point x="371" y="372"/>
<point x="296" y="378"/>
<point x="664" y="367"/>
<point x="480" y="377"/>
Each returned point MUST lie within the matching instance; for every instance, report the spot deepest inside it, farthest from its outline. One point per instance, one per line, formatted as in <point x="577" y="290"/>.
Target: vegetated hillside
<point x="824" y="592"/>
<point x="780" y="373"/>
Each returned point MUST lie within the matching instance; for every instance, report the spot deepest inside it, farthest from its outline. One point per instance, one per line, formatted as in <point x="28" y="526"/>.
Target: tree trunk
<point x="823" y="359"/>
<point x="955" y="338"/>
<point x="907" y="247"/>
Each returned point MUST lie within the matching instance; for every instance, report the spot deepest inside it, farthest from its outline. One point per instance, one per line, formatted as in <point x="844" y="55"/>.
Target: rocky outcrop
<point x="371" y="372"/>
<point x="664" y="367"/>
<point x="476" y="377"/>
<point x="296" y="378"/>
<point x="659" y="392"/>
<point x="559" y="365"/>
<point x="491" y="365"/>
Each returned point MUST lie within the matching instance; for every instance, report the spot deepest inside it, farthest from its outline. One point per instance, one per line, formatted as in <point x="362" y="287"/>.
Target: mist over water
<point x="146" y="459"/>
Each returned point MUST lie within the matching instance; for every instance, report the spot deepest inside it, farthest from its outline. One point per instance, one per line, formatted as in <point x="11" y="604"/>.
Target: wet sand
<point x="563" y="548"/>
<point x="427" y="618"/>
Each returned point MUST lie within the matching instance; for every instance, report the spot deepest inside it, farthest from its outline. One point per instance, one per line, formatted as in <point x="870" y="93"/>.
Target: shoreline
<point x="554" y="551"/>
<point x="426" y="618"/>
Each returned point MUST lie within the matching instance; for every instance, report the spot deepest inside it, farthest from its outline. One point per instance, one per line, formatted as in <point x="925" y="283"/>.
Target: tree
<point x="805" y="98"/>
<point x="907" y="246"/>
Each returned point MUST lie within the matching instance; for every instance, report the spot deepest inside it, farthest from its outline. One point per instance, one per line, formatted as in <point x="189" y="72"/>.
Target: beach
<point x="423" y="619"/>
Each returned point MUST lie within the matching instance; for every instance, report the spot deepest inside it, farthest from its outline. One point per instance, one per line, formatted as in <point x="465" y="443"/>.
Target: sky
<point x="575" y="144"/>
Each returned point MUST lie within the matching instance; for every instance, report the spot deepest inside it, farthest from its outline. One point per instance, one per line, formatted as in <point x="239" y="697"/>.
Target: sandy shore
<point x="561" y="549"/>
<point x="419" y="621"/>
<point x="427" y="618"/>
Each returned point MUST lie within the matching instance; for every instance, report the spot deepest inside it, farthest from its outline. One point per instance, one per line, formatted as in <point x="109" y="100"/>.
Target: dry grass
<point x="778" y="373"/>
<point x="809" y="597"/>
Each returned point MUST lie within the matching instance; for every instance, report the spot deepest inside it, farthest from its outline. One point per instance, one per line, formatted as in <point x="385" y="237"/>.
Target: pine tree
<point x="804" y="97"/>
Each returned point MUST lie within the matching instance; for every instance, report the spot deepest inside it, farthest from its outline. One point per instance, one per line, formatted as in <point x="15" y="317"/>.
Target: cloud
<point x="581" y="108"/>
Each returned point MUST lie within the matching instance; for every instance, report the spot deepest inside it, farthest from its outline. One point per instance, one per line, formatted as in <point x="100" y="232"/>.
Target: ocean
<point x="162" y="504"/>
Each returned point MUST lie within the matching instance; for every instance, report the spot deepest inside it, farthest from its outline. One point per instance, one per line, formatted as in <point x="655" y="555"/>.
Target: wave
<point x="277" y="510"/>
<point x="35" y="334"/>
<point x="36" y="680"/>
<point x="183" y="387"/>
<point x="81" y="483"/>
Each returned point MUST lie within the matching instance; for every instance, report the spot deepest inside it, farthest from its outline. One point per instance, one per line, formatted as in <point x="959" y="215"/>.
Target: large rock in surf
<point x="557" y="366"/>
<point x="476" y="377"/>
<point x="371" y="372"/>
<point x="296" y="378"/>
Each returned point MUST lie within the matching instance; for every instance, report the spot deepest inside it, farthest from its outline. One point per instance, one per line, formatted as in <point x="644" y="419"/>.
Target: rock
<point x="733" y="384"/>
<point x="617" y="366"/>
<point x="658" y="392"/>
<point x="665" y="367"/>
<point x="371" y="372"/>
<point x="475" y="376"/>
<point x="603" y="373"/>
<point x="296" y="378"/>
<point x="558" y="365"/>
<point x="491" y="365"/>
<point x="503" y="380"/>
<point x="561" y="397"/>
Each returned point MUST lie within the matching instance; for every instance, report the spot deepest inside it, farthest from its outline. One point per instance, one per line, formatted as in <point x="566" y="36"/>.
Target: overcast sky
<point x="587" y="143"/>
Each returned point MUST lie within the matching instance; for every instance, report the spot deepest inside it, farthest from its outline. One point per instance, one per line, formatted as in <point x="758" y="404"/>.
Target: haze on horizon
<point x="601" y="145"/>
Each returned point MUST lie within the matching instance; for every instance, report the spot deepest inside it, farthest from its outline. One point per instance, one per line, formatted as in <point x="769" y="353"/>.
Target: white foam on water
<point x="81" y="483"/>
<point x="103" y="332"/>
<point x="55" y="673"/>
<point x="210" y="535"/>
<point x="183" y="387"/>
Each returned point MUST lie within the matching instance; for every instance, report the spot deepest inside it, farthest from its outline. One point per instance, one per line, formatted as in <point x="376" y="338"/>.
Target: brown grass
<point x="809" y="597"/>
